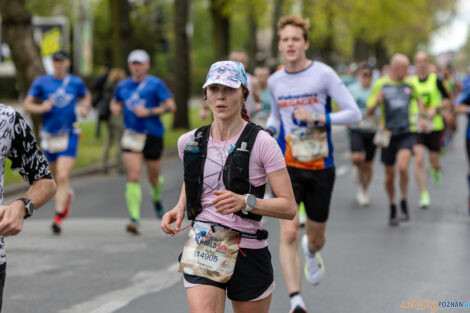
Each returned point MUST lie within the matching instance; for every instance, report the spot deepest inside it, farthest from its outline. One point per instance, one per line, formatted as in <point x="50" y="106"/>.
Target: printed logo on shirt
<point x="295" y="100"/>
<point x="60" y="98"/>
<point x="134" y="101"/>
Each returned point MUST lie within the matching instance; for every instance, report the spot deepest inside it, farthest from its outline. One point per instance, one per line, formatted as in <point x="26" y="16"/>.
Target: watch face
<point x="29" y="208"/>
<point x="251" y="200"/>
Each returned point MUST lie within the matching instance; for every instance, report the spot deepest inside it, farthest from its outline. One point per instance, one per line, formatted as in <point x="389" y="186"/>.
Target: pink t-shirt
<point x="266" y="157"/>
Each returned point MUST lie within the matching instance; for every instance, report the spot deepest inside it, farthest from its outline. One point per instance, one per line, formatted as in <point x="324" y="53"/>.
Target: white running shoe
<point x="366" y="199"/>
<point x="314" y="268"/>
<point x="360" y="198"/>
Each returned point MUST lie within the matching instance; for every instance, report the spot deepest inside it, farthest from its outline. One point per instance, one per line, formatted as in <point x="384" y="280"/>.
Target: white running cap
<point x="139" y="56"/>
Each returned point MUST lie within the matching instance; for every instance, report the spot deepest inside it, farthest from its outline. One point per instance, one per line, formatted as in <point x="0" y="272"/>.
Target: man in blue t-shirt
<point x="142" y="98"/>
<point x="55" y="97"/>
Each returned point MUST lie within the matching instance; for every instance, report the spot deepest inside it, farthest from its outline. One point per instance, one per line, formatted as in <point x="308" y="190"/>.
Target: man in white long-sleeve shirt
<point x="301" y="96"/>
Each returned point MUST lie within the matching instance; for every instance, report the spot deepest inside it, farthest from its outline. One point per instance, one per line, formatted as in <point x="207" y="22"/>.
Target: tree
<point x="182" y="63"/>
<point x="221" y="27"/>
<point x="18" y="33"/>
<point x="277" y="12"/>
<point x="121" y="32"/>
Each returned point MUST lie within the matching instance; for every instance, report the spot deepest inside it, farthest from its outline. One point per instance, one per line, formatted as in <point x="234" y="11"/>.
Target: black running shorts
<point x="314" y="189"/>
<point x="252" y="276"/>
<point x="397" y="143"/>
<point x="153" y="148"/>
<point x="364" y="143"/>
<point x="432" y="141"/>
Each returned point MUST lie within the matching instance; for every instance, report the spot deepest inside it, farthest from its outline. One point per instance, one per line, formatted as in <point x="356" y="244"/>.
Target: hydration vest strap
<point x="261" y="234"/>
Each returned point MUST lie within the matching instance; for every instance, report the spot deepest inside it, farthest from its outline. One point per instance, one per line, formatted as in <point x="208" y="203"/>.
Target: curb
<point x="13" y="189"/>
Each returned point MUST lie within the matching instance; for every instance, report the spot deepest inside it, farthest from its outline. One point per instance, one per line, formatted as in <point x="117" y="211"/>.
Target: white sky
<point x="454" y="35"/>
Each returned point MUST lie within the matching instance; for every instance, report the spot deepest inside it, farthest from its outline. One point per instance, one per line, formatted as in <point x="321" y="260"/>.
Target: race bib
<point x="382" y="138"/>
<point x="367" y="123"/>
<point x="210" y="253"/>
<point x="309" y="144"/>
<point x="132" y="140"/>
<point x="54" y="143"/>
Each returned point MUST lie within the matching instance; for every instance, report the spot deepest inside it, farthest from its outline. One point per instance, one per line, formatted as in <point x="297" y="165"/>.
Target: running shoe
<point x="133" y="228"/>
<point x="366" y="199"/>
<point x="436" y="177"/>
<point x="302" y="215"/>
<point x="404" y="216"/>
<point x="394" y="221"/>
<point x="298" y="309"/>
<point x="56" y="225"/>
<point x="425" y="200"/>
<point x="314" y="267"/>
<point x="363" y="198"/>
<point x="159" y="209"/>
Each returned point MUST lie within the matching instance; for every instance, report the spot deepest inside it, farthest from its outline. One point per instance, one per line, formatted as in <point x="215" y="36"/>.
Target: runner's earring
<point x="205" y="98"/>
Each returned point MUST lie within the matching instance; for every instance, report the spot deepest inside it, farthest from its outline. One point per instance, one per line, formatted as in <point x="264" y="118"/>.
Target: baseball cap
<point x="60" y="56"/>
<point x="139" y="56"/>
<point x="227" y="73"/>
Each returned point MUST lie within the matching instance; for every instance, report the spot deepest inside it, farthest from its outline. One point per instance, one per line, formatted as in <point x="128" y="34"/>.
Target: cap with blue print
<point x="228" y="73"/>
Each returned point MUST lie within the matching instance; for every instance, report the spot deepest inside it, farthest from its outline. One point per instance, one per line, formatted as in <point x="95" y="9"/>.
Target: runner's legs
<point x="61" y="172"/>
<point x="206" y="299"/>
<point x="289" y="255"/>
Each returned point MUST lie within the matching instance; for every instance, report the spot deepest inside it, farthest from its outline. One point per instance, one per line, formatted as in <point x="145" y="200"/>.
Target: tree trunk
<point x="182" y="64"/>
<point x="381" y="53"/>
<point x="276" y="16"/>
<point x="221" y="28"/>
<point x="121" y="32"/>
<point x="252" y="43"/>
<point x="361" y="49"/>
<point x="17" y="30"/>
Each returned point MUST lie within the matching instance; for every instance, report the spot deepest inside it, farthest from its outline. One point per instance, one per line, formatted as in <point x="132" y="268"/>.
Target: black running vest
<point x="235" y="171"/>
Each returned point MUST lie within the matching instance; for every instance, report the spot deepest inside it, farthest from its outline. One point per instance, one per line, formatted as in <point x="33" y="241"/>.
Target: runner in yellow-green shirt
<point x="434" y="97"/>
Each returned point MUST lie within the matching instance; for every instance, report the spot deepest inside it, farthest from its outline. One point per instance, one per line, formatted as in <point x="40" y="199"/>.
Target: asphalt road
<point x="96" y="267"/>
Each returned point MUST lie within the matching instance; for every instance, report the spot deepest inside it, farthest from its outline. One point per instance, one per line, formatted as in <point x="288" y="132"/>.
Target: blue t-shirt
<point x="64" y="94"/>
<point x="150" y="92"/>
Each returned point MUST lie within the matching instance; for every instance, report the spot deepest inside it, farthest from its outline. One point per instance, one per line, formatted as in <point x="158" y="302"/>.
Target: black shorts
<point x="314" y="188"/>
<point x="153" y="148"/>
<point x="432" y="140"/>
<point x="397" y="143"/>
<point x="252" y="276"/>
<point x="364" y="143"/>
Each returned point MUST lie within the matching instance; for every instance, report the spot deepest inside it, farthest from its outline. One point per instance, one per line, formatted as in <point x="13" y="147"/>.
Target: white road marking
<point x="341" y="170"/>
<point x="144" y="283"/>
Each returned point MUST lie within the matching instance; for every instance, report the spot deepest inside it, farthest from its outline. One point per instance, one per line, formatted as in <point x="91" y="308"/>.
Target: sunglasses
<point x="366" y="74"/>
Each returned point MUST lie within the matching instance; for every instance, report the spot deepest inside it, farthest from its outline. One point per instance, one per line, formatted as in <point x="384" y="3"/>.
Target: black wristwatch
<point x="28" y="206"/>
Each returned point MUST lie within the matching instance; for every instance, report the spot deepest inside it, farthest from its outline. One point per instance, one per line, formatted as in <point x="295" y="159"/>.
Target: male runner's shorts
<point x="397" y="143"/>
<point x="363" y="142"/>
<point x="252" y="279"/>
<point x="314" y="189"/>
<point x="432" y="141"/>
<point x="153" y="148"/>
<point x="70" y="152"/>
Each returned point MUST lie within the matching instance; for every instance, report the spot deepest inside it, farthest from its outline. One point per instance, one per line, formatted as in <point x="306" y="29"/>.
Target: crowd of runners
<point x="267" y="150"/>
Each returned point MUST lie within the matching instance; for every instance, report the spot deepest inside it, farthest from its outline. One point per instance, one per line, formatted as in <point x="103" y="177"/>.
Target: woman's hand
<point x="227" y="202"/>
<point x="174" y="216"/>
